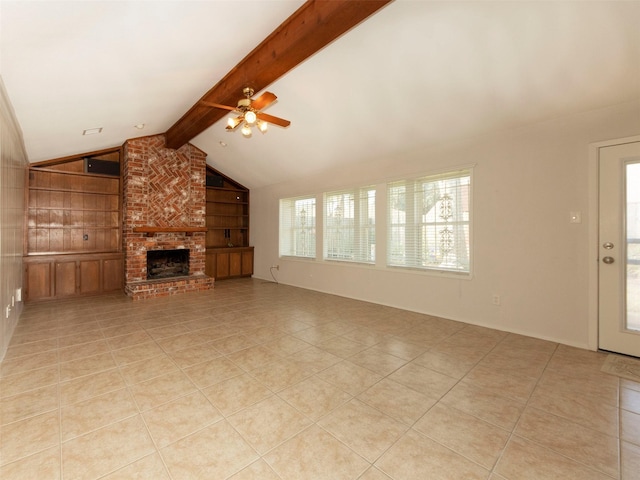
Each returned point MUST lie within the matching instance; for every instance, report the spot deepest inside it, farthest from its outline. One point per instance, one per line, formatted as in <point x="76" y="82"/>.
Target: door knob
<point x="607" y="246"/>
<point x="608" y="260"/>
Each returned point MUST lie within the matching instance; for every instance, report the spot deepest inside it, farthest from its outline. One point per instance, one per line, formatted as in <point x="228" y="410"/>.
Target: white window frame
<point x="298" y="227"/>
<point x="432" y="229"/>
<point x="349" y="225"/>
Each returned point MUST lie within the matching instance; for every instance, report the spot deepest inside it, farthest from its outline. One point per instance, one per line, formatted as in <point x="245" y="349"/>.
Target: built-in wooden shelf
<point x="151" y="231"/>
<point x="228" y="224"/>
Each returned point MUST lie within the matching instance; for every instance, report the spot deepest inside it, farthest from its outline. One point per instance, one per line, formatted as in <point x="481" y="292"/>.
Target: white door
<point x="619" y="249"/>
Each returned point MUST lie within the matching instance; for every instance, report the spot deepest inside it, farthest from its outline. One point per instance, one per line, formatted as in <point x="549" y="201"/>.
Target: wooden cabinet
<point x="228" y="252"/>
<point x="229" y="262"/>
<point x="73" y="231"/>
<point x="89" y="281"/>
<point x="58" y="276"/>
<point x="112" y="273"/>
<point x="65" y="281"/>
<point x="247" y="262"/>
<point x="38" y="280"/>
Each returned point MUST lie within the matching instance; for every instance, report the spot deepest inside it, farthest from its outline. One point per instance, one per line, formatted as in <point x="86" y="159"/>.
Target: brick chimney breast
<point x="163" y="187"/>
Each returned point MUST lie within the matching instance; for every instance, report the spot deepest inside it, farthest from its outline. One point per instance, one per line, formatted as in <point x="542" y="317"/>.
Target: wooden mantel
<point x="151" y="231"/>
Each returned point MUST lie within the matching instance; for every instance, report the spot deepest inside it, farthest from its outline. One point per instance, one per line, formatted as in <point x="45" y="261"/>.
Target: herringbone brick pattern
<point x="163" y="188"/>
<point x="168" y="190"/>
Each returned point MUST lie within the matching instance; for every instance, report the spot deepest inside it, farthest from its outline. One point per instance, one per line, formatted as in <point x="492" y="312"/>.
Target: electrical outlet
<point x="8" y="311"/>
<point x="277" y="267"/>
<point x="495" y="299"/>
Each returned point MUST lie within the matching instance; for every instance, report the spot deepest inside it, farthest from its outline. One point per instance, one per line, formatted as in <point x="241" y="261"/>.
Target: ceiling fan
<point x="249" y="112"/>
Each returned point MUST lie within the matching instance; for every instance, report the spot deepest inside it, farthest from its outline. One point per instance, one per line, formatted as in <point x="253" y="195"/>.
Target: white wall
<point x="526" y="181"/>
<point x="13" y="162"/>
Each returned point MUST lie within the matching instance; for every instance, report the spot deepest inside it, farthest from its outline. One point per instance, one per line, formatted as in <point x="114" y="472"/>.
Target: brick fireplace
<point x="164" y="208"/>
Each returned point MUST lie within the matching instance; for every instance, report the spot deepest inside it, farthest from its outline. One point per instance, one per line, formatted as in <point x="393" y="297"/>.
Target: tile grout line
<point x="277" y="392"/>
<point x="514" y="434"/>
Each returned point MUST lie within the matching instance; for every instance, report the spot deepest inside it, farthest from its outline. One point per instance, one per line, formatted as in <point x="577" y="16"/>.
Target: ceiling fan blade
<point x="217" y="105"/>
<point x="236" y="121"/>
<point x="263" y="101"/>
<point x="271" y="119"/>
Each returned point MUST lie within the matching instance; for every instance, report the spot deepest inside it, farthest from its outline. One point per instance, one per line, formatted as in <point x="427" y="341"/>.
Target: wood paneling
<point x="70" y="212"/>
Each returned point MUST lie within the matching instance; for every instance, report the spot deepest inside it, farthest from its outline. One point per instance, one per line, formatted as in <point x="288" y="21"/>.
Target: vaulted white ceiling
<point x="415" y="74"/>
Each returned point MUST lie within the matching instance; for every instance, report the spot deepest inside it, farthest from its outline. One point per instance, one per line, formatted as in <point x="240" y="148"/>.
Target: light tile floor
<point x="255" y="380"/>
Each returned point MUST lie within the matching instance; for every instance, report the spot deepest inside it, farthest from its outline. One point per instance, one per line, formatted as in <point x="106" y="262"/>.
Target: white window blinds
<point x="429" y="222"/>
<point x="349" y="225"/>
<point x="298" y="227"/>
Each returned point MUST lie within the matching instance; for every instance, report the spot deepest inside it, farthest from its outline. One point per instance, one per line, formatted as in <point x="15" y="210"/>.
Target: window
<point x="428" y="225"/>
<point x="298" y="227"/>
<point x="349" y="225"/>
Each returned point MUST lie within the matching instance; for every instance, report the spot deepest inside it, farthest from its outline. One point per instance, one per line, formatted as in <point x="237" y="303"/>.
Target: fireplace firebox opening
<point x="167" y="263"/>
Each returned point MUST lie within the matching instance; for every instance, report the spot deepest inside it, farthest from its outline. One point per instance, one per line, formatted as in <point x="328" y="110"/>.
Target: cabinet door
<point x="235" y="264"/>
<point x="65" y="279"/>
<point x="112" y="274"/>
<point x="210" y="264"/>
<point x="38" y="281"/>
<point x="222" y="265"/>
<point x="89" y="276"/>
<point x="247" y="262"/>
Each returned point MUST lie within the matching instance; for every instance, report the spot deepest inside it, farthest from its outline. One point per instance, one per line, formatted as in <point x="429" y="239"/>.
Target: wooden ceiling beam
<point x="310" y="28"/>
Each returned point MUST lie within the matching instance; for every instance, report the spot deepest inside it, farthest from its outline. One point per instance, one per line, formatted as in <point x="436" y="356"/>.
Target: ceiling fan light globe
<point x="231" y="122"/>
<point x="250" y="117"/>
<point x="246" y="130"/>
<point x="262" y="126"/>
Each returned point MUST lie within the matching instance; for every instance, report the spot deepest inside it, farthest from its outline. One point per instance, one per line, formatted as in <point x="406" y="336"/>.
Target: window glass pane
<point x="349" y="225"/>
<point x="429" y="221"/>
<point x="368" y="226"/>
<point x="298" y="227"/>
<point x="633" y="246"/>
<point x="397" y="247"/>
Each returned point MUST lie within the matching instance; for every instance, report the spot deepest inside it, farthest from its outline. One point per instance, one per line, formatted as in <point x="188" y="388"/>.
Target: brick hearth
<point x="163" y="187"/>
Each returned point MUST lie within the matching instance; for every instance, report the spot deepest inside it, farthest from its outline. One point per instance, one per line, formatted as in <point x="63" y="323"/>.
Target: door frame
<point x="593" y="231"/>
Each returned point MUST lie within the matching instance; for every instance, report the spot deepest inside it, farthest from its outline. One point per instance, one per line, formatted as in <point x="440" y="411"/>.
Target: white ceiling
<point x="415" y="74"/>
